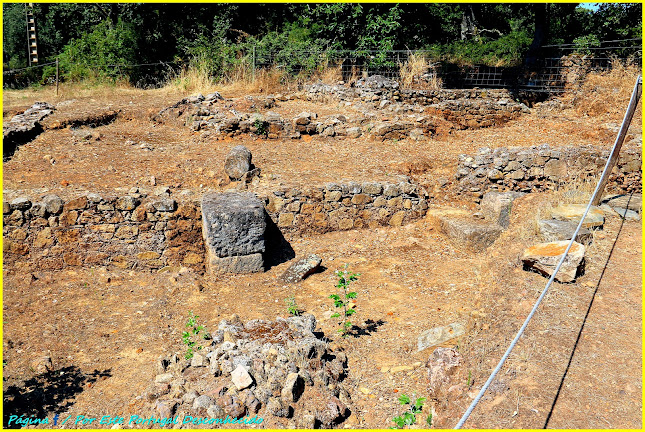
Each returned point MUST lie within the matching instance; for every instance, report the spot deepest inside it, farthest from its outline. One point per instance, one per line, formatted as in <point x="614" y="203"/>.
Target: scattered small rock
<point x="439" y="335"/>
<point x="442" y="365"/>
<point x="241" y="378"/>
<point x="163" y="378"/>
<point x="293" y="388"/>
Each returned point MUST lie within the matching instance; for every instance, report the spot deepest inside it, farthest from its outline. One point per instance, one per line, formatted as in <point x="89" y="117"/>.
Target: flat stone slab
<point x="253" y="263"/>
<point x="555" y="230"/>
<point x="631" y="202"/>
<point x="627" y="214"/>
<point x="465" y="230"/>
<point x="573" y="212"/>
<point x="301" y="269"/>
<point x="544" y="258"/>
<point x="438" y="335"/>
<point x="620" y="212"/>
<point x="233" y="229"/>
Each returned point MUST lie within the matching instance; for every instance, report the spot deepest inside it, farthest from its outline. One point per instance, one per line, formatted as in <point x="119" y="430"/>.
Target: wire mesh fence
<point x="349" y="62"/>
<point x="146" y="75"/>
<point x="551" y="72"/>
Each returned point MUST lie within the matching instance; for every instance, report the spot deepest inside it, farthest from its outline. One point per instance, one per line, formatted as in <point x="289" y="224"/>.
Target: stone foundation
<point x="128" y="232"/>
<point x="543" y="167"/>
<point x="152" y="232"/>
<point x="339" y="207"/>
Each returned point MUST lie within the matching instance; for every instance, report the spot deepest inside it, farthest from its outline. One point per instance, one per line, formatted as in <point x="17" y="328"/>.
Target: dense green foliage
<point x="221" y="37"/>
<point x="101" y="53"/>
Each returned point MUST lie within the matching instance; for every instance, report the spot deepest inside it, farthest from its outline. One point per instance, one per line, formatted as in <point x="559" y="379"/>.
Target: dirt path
<point x="602" y="387"/>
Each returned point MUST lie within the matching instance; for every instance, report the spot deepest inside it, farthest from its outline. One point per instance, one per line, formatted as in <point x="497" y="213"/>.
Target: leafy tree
<point x="220" y="36"/>
<point x="14" y="41"/>
<point x="94" y="55"/>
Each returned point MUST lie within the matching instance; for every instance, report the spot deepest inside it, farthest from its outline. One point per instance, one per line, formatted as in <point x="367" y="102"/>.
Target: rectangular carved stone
<point x="233" y="227"/>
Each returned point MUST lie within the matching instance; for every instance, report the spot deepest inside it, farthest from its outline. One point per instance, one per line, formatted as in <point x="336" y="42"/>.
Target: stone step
<point x="463" y="229"/>
<point x="573" y="212"/>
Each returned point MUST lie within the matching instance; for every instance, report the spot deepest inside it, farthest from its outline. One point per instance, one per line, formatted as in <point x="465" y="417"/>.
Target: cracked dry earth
<point x="577" y="366"/>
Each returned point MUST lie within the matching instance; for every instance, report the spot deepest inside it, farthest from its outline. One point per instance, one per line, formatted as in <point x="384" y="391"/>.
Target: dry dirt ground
<point x="577" y="366"/>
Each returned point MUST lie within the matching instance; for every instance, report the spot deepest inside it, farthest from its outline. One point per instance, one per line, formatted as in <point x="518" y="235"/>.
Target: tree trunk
<point x="468" y="21"/>
<point x="539" y="36"/>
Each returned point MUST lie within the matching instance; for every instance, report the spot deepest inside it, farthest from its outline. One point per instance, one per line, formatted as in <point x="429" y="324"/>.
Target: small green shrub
<point x="409" y="417"/>
<point x="261" y="127"/>
<point x="345" y="278"/>
<point x="292" y="306"/>
<point x="191" y="336"/>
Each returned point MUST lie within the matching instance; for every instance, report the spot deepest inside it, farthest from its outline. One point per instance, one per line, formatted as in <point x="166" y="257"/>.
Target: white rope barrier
<point x="635" y="96"/>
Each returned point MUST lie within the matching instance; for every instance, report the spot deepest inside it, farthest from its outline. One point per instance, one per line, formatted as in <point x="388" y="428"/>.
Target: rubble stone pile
<point x="279" y="371"/>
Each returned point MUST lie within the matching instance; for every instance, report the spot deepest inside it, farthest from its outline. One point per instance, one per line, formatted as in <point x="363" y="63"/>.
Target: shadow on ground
<point x="278" y="249"/>
<point x="584" y="321"/>
<point x="367" y="329"/>
<point x="48" y="393"/>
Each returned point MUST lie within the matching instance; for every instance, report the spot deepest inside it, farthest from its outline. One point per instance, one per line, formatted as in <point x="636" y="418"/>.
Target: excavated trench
<point x="27" y="125"/>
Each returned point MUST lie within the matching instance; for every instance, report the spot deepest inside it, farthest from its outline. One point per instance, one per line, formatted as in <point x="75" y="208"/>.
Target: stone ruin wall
<point x="465" y="108"/>
<point x="417" y="113"/>
<point x="543" y="168"/>
<point x="325" y="92"/>
<point x="126" y="232"/>
<point x="346" y="206"/>
<point x="139" y="232"/>
<point x="152" y="232"/>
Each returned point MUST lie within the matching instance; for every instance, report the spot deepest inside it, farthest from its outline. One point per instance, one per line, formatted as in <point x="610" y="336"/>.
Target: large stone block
<point x="252" y="263"/>
<point x="233" y="226"/>
<point x="463" y="229"/>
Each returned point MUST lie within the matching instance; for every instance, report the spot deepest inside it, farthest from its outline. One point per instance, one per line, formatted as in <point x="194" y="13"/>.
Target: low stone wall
<point x="127" y="232"/>
<point x="471" y="108"/>
<point x="215" y="117"/>
<point x="476" y="113"/>
<point x="346" y="206"/>
<point x="140" y="232"/>
<point x="543" y="167"/>
<point x="24" y="127"/>
<point x="323" y="92"/>
<point x="465" y="108"/>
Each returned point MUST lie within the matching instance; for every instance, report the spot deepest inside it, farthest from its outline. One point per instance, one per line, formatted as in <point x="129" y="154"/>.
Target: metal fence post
<point x="57" y="76"/>
<point x="253" y="63"/>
